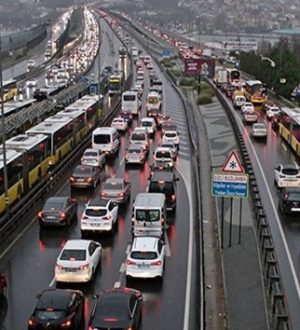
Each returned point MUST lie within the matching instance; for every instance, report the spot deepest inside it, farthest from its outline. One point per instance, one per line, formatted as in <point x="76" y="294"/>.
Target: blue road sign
<point x="166" y="53"/>
<point x="229" y="185"/>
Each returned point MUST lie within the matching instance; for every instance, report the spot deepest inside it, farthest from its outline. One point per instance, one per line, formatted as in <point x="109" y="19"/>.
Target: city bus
<point x="115" y="85"/>
<point x="26" y="163"/>
<point x="233" y="77"/>
<point x="9" y="89"/>
<point x="61" y="132"/>
<point x="255" y="92"/>
<point x="289" y="128"/>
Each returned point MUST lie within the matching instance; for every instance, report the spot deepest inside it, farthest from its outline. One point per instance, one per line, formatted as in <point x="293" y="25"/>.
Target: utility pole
<point x="5" y="177"/>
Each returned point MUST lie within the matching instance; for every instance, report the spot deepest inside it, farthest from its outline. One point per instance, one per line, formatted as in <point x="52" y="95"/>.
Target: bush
<point x="188" y="82"/>
<point x="205" y="98"/>
<point x="175" y="73"/>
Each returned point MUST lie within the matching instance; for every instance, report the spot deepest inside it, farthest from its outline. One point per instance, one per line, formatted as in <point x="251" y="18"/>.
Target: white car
<point x="239" y="101"/>
<point x="149" y="124"/>
<point x="273" y="112"/>
<point x="259" y="130"/>
<point x="171" y="135"/>
<point x="135" y="155"/>
<point x="247" y="107"/>
<point x="164" y="155"/>
<point x="287" y="176"/>
<point x="93" y="157"/>
<point x="139" y="137"/>
<point x="78" y="261"/>
<point x="172" y="147"/>
<point x="31" y="65"/>
<point x="146" y="258"/>
<point x="100" y="215"/>
<point x="120" y="124"/>
<point x="250" y="117"/>
<point x="31" y="83"/>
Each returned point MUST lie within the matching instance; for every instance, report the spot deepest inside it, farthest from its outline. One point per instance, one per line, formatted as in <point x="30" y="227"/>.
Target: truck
<point x="221" y="77"/>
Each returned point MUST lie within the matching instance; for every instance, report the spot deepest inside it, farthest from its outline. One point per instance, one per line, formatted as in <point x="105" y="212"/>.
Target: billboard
<point x="199" y="66"/>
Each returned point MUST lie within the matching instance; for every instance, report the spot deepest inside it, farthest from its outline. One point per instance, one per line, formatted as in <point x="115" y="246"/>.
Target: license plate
<point x="143" y="266"/>
<point x="295" y="209"/>
<point x="70" y="270"/>
<point x="95" y="224"/>
<point x="50" y="217"/>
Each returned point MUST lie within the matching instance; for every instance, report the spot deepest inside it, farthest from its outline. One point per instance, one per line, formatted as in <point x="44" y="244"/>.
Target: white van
<point x="106" y="139"/>
<point x="139" y="137"/>
<point x="153" y="104"/>
<point x="149" y="215"/>
<point x="131" y="102"/>
<point x="149" y="124"/>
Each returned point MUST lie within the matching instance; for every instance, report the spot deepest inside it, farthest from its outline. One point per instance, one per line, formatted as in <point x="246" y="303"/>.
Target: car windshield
<point x="73" y="255"/>
<point x="54" y="205"/>
<point x="152" y="100"/>
<point x="102" y="138"/>
<point x="96" y="212"/>
<point x="129" y="97"/>
<point x="90" y="154"/>
<point x="147" y="215"/>
<point x="49" y="315"/>
<point x="259" y="126"/>
<point x="170" y="134"/>
<point x="82" y="171"/>
<point x="146" y="123"/>
<point x="163" y="154"/>
<point x="134" y="151"/>
<point x="113" y="186"/>
<point x="290" y="171"/>
<point x="138" y="137"/>
<point x="162" y="187"/>
<point x="294" y="196"/>
<point x="143" y="255"/>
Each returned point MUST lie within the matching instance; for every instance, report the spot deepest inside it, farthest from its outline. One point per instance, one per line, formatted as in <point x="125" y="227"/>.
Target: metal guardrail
<point x="274" y="290"/>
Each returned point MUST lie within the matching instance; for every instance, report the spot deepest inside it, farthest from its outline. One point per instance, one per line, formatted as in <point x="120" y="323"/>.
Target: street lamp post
<point x="273" y="65"/>
<point x="5" y="176"/>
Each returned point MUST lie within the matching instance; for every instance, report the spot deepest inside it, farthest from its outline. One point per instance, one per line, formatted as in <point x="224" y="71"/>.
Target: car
<point x="248" y="106"/>
<point x="78" y="261"/>
<point x="146" y="258"/>
<point x="259" y="130"/>
<point x="140" y="88"/>
<point x="58" y="211"/>
<point x="31" y="83"/>
<point x="172" y="147"/>
<point x="250" y="117"/>
<point x="31" y="65"/>
<point x="85" y="176"/>
<point x="58" y="309"/>
<point x="120" y="124"/>
<point x="289" y="200"/>
<point x="273" y="112"/>
<point x="162" y="154"/>
<point x="163" y="120"/>
<point x="127" y="116"/>
<point x="171" y="134"/>
<point x="100" y="215"/>
<point x="117" y="308"/>
<point x="238" y="101"/>
<point x="3" y="284"/>
<point x="139" y="137"/>
<point x="93" y="157"/>
<point x="165" y="182"/>
<point x="135" y="155"/>
<point x="116" y="189"/>
<point x="150" y="125"/>
<point x="287" y="176"/>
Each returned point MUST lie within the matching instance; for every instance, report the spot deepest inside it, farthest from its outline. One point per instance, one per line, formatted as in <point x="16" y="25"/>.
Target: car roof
<point x="144" y="244"/>
<point x="56" y="298"/>
<point x="132" y="146"/>
<point x="162" y="175"/>
<point x="77" y="244"/>
<point x="116" y="180"/>
<point x="162" y="149"/>
<point x="290" y="166"/>
<point x="57" y="199"/>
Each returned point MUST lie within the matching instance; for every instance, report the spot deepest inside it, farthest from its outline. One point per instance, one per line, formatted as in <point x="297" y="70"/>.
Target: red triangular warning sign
<point x="232" y="164"/>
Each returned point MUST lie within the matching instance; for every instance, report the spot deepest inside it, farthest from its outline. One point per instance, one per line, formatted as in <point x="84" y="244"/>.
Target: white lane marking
<point x="122" y="161"/>
<point x="122" y="268"/>
<point x="190" y="259"/>
<point x="51" y="284"/>
<point x="168" y="250"/>
<point x="284" y="147"/>
<point x="128" y="249"/>
<point x="117" y="284"/>
<point x="293" y="271"/>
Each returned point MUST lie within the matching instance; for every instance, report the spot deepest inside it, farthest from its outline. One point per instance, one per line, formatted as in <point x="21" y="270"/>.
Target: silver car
<point x="259" y="130"/>
<point x="93" y="157"/>
<point x="116" y="189"/>
<point x="135" y="155"/>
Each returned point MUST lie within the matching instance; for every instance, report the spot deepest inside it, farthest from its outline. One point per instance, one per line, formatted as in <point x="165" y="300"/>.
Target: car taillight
<point x="103" y="193"/>
<point x="156" y="263"/>
<point x="173" y="198"/>
<point x="67" y="324"/>
<point x="32" y="323"/>
<point x="88" y="179"/>
<point x="72" y="179"/>
<point x="130" y="262"/>
<point x="84" y="267"/>
<point x="107" y="217"/>
<point x="281" y="176"/>
<point x="41" y="214"/>
<point x="62" y="214"/>
<point x="121" y="194"/>
<point x="90" y="328"/>
<point x="59" y="267"/>
<point x="84" y="217"/>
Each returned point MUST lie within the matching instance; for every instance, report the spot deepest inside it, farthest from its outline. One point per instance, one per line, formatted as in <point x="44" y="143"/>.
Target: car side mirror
<point x="95" y="296"/>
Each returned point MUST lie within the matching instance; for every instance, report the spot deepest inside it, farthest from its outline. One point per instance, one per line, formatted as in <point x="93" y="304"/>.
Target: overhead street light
<point x="273" y="65"/>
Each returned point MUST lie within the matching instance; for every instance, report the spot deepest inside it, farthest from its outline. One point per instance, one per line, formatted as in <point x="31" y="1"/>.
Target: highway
<point x="29" y="259"/>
